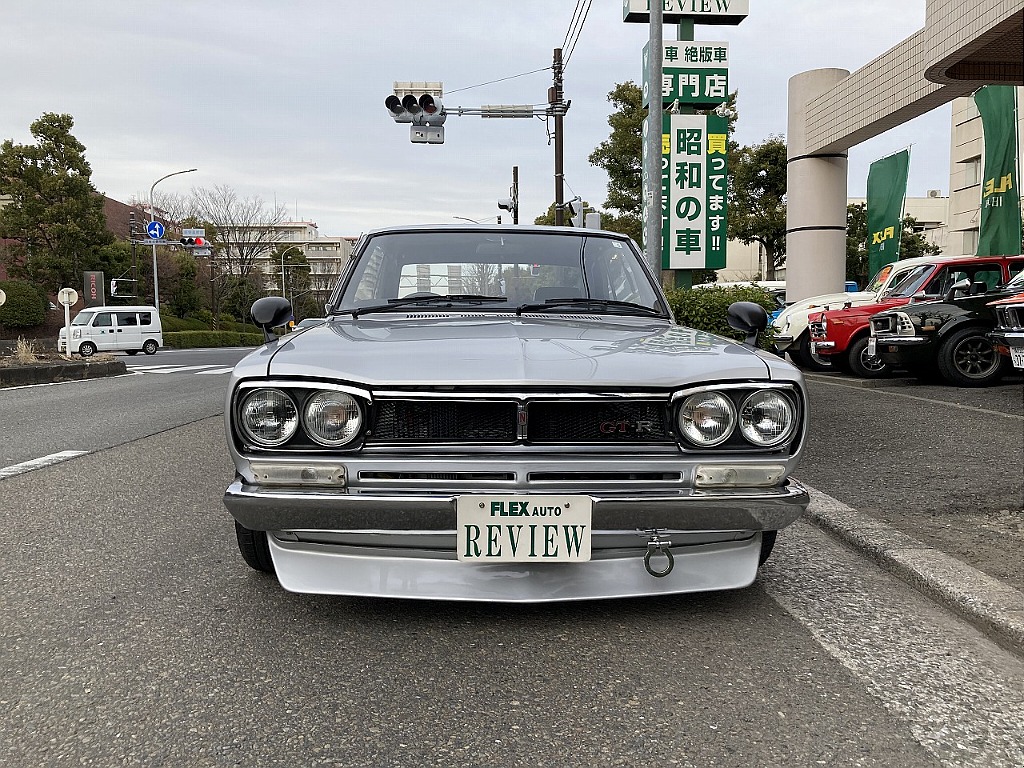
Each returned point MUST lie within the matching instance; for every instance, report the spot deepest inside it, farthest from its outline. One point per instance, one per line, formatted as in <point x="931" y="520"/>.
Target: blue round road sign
<point x="155" y="230"/>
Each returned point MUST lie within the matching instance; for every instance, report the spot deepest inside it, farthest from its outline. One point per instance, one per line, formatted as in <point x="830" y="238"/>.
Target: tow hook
<point x="658" y="545"/>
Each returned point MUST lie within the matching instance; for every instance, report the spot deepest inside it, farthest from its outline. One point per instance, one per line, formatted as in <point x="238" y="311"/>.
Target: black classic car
<point x="1008" y="335"/>
<point x="949" y="338"/>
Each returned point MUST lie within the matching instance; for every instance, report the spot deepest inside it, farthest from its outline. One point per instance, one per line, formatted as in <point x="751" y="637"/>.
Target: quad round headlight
<point x="332" y="418"/>
<point x="707" y="418"/>
<point x="767" y="418"/>
<point x="268" y="417"/>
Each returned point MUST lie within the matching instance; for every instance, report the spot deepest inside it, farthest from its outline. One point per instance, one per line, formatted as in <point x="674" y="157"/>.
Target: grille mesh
<point x="598" y="422"/>
<point x="444" y="422"/>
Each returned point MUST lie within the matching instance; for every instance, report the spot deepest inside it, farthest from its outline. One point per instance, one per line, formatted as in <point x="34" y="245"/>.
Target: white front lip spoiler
<point x="363" y="572"/>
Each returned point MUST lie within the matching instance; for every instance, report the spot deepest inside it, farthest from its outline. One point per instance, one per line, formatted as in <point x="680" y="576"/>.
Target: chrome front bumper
<point x="782" y="341"/>
<point x="283" y="509"/>
<point x="901" y="341"/>
<point x="429" y="575"/>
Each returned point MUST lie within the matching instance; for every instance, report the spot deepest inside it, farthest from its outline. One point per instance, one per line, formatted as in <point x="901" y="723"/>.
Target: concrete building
<point x="962" y="46"/>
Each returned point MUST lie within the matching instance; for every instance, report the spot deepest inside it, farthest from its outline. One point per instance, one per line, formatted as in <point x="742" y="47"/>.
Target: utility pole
<point x="558" y="111"/>
<point x="515" y="194"/>
<point x="652" y="235"/>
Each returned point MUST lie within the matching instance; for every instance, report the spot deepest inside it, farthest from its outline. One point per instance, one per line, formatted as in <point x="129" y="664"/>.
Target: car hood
<point x="438" y="350"/>
<point x="806" y="306"/>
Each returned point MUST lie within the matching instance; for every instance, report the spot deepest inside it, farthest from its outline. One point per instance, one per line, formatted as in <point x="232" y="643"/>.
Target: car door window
<point x="145" y="318"/>
<point x="126" y="319"/>
<point x="989" y="274"/>
<point x="104" y="320"/>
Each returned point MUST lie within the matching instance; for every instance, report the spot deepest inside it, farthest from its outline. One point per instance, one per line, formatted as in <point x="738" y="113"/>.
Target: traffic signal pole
<point x="652" y="234"/>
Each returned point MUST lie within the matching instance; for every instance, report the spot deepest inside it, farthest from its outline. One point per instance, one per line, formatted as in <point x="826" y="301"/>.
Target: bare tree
<point x="246" y="228"/>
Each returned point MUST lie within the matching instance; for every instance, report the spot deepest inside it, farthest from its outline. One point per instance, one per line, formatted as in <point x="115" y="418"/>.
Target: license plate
<point x="871" y="346"/>
<point x="814" y="347"/>
<point x="1017" y="356"/>
<point x="513" y="528"/>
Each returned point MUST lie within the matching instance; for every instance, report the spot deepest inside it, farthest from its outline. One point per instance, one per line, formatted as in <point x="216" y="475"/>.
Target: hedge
<point x="194" y="339"/>
<point x="25" y="306"/>
<point x="706" y="309"/>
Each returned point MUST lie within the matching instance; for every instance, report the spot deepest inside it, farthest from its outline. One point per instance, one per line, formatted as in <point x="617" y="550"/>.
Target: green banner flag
<point x="1000" y="233"/>
<point x="887" y="188"/>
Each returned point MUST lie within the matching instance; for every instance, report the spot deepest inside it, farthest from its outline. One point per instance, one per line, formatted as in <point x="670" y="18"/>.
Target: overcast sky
<point x="284" y="99"/>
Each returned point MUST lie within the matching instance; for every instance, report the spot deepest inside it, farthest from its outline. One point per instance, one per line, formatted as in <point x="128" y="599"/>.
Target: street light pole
<point x="152" y="218"/>
<point x="283" y="253"/>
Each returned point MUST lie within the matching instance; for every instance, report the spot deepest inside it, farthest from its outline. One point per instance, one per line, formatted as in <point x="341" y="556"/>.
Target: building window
<point x="972" y="171"/>
<point x="970" y="242"/>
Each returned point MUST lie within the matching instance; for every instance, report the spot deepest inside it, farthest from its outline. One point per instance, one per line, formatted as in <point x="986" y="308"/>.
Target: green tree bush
<point x="25" y="306"/>
<point x="706" y="309"/>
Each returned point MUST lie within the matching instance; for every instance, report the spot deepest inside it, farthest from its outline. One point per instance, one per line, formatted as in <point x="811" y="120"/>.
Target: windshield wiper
<point x="444" y="301"/>
<point x="585" y="302"/>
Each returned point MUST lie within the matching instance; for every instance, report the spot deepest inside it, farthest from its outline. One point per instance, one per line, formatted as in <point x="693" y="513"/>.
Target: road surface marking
<point x="214" y="372"/>
<point x="168" y="368"/>
<point x="43" y="461"/>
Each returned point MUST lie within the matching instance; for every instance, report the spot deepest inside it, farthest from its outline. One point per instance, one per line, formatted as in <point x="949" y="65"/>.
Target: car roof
<point x="495" y="228"/>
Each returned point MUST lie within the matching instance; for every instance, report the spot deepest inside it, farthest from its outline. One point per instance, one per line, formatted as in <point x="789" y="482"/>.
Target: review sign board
<point x="693" y="191"/>
<point x="693" y="73"/>
<point x="701" y="11"/>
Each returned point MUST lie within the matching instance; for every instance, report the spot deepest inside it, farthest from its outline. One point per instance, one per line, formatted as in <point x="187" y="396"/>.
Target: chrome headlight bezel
<point x="750" y="433"/>
<point x="738" y="393"/>
<point x="343" y="400"/>
<point x="291" y="422"/>
<point x="687" y="427"/>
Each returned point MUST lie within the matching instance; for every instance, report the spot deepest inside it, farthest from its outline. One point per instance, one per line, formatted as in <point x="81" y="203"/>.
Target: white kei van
<point x="114" y="329"/>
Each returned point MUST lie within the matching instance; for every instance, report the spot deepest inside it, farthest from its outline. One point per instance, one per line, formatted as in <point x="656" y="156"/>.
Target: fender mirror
<point x="748" y="317"/>
<point x="271" y="312"/>
<point x="959" y="285"/>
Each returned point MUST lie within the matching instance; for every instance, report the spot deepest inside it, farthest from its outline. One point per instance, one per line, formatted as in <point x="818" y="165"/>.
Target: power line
<point x="579" y="29"/>
<point x="499" y="80"/>
<point x="572" y="22"/>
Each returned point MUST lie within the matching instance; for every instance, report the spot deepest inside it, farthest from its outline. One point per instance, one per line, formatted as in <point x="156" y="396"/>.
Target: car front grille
<point x="1012" y="316"/>
<point x="817" y="329"/>
<point x="540" y="421"/>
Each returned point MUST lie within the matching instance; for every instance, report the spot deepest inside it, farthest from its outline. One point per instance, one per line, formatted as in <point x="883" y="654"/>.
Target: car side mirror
<point x="959" y="285"/>
<point x="271" y="312"/>
<point x="748" y="317"/>
<point x="977" y="287"/>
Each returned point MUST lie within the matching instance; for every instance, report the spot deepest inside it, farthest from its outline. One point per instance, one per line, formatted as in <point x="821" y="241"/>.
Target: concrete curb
<point x="48" y="373"/>
<point x="995" y="608"/>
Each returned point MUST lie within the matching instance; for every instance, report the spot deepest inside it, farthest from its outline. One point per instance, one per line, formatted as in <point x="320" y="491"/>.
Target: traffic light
<point x="193" y="242"/>
<point x="419" y="103"/>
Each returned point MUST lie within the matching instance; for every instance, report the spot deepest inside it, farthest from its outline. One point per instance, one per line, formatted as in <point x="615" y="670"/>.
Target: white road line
<point x="43" y="461"/>
<point x="214" y="372"/>
<point x="171" y="368"/>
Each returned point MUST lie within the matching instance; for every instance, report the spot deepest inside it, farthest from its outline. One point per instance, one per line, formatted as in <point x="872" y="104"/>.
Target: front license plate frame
<point x="523" y="528"/>
<point x="1017" y="357"/>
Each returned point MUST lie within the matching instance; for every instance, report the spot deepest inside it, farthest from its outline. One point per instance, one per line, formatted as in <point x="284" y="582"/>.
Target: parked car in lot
<point x="841" y="335"/>
<point x="1008" y="335"/>
<point x="792" y="335"/>
<point x="510" y="414"/>
<point x="949" y="337"/>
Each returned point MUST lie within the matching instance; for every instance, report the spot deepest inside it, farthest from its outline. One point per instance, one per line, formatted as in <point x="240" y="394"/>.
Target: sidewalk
<point x="995" y="608"/>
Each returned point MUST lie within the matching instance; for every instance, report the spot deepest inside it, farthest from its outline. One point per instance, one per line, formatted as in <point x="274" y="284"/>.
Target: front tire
<point x="805" y="359"/>
<point x="150" y="347"/>
<point x="88" y="349"/>
<point x="968" y="359"/>
<point x="864" y="365"/>
<point x="254" y="548"/>
<point x="767" y="545"/>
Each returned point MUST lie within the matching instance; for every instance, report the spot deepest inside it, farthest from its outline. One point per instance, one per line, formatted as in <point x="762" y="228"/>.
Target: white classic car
<point x="791" y="325"/>
<point x="509" y="414"/>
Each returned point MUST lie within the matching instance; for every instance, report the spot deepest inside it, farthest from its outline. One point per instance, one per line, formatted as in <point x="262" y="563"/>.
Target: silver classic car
<point x="509" y="414"/>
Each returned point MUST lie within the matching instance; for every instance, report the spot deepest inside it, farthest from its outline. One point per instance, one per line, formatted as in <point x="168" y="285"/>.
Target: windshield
<point x="83" y="318"/>
<point x="912" y="283"/>
<point x="495" y="271"/>
<point x="1017" y="281"/>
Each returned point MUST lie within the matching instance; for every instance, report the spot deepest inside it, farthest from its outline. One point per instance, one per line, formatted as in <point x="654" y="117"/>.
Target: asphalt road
<point x="132" y="633"/>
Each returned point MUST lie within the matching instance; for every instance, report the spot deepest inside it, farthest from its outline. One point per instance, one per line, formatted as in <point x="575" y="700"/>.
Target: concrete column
<point x="815" y="198"/>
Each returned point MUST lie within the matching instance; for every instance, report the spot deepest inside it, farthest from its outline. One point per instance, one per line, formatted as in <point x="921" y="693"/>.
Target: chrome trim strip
<point x="282" y="509"/>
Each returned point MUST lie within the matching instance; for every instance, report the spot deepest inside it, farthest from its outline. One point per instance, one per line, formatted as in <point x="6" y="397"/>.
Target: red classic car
<point x="841" y="335"/>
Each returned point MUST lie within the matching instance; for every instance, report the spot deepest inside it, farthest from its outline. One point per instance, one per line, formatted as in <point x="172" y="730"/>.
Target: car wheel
<point x="88" y="349"/>
<point x="150" y="347"/>
<point x="132" y="351"/>
<point x="968" y="359"/>
<point x="864" y="365"/>
<point x="767" y="545"/>
<point x="254" y="548"/>
<point x="807" y="360"/>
